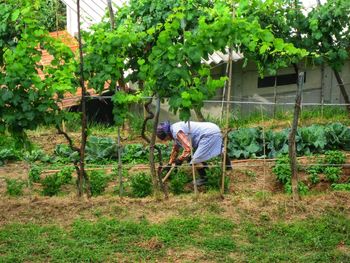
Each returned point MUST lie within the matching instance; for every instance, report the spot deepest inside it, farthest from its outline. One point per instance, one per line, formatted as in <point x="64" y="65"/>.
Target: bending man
<point x="206" y="141"/>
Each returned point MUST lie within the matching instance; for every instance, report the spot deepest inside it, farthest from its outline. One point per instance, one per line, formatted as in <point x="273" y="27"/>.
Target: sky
<point x="311" y="3"/>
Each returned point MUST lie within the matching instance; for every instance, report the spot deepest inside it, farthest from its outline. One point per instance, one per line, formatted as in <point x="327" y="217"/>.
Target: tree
<point x="30" y="92"/>
<point x="323" y="32"/>
<point x="330" y="32"/>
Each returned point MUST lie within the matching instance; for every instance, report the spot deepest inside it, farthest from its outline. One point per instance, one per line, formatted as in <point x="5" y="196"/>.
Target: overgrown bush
<point x="214" y="175"/>
<point x="98" y="181"/>
<point x="282" y="169"/>
<point x="141" y="185"/>
<point x="51" y="184"/>
<point x="65" y="175"/>
<point x="334" y="157"/>
<point x="14" y="187"/>
<point x="302" y="188"/>
<point x="178" y="182"/>
<point x="34" y="174"/>
<point x="332" y="173"/>
<point x="341" y="187"/>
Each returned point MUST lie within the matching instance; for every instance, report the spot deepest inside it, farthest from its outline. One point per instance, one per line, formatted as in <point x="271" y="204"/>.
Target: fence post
<point x="292" y="146"/>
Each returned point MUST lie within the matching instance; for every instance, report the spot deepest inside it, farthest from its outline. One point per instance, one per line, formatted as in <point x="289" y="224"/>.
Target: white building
<point x="91" y="12"/>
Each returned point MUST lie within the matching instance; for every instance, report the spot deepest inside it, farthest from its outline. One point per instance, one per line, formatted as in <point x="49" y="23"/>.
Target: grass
<point x="283" y="117"/>
<point x="181" y="239"/>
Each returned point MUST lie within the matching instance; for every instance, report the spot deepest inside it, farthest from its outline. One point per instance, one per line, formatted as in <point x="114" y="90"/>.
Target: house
<point x="91" y="12"/>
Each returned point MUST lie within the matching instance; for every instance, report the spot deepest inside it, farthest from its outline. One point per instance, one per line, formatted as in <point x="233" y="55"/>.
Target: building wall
<point x="91" y="13"/>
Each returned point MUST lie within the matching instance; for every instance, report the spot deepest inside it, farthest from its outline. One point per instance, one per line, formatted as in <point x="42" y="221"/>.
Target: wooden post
<point x="120" y="171"/>
<point x="228" y="99"/>
<point x="224" y="92"/>
<point x="111" y="13"/>
<point x="156" y="185"/>
<point x="193" y="168"/>
<point x="275" y="98"/>
<point x="292" y="146"/>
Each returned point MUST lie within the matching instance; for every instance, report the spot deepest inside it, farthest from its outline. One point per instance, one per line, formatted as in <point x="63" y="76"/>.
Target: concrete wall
<point x="91" y="13"/>
<point x="245" y="88"/>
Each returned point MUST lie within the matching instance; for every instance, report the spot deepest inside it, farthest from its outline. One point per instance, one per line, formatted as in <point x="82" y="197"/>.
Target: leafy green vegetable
<point x="245" y="142"/>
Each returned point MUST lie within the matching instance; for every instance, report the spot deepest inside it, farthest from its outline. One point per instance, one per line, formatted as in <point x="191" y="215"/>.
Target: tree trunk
<point x="82" y="174"/>
<point x="199" y="114"/>
<point x="342" y="90"/>
<point x="292" y="145"/>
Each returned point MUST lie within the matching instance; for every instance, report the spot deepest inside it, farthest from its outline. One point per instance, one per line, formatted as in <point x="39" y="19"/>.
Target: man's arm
<point x="185" y="143"/>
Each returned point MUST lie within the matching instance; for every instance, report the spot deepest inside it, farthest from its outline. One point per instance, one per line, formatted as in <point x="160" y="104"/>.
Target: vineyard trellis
<point x="153" y="49"/>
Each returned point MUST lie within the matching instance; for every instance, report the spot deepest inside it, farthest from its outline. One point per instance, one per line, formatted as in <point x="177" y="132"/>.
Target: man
<point x="206" y="141"/>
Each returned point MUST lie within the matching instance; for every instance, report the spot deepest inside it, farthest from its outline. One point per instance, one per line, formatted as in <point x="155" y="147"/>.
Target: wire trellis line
<point x="247" y="102"/>
<point x="218" y="165"/>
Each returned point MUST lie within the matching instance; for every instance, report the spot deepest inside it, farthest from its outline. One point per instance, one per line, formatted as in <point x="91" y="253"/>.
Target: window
<point x="286" y="79"/>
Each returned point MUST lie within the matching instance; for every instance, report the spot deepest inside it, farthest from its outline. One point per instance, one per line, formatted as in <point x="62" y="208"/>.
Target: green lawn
<point x="186" y="239"/>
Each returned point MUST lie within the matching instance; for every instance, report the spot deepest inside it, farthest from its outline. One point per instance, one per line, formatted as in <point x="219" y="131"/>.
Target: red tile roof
<point x="69" y="98"/>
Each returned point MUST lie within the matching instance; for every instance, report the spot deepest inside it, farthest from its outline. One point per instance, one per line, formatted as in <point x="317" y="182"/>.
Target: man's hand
<point x="178" y="162"/>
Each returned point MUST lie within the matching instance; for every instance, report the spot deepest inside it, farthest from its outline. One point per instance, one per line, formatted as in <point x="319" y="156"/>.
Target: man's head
<point x="163" y="130"/>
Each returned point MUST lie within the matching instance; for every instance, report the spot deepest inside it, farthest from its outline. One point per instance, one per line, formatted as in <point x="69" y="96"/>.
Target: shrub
<point x="14" y="187"/>
<point x="178" y="183"/>
<point x="65" y="175"/>
<point x="302" y="188"/>
<point x="34" y="174"/>
<point x="332" y="173"/>
<point x="214" y="175"/>
<point x="341" y="187"/>
<point x="98" y="182"/>
<point x="282" y="169"/>
<point x="334" y="157"/>
<point x="141" y="185"/>
<point x="51" y="185"/>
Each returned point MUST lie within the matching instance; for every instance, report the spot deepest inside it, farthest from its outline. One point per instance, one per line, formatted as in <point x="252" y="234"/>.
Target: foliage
<point x="51" y="185"/>
<point x="65" y="174"/>
<point x="9" y="149"/>
<point x="30" y="91"/>
<point x="65" y="153"/>
<point x="141" y="185"/>
<point x="98" y="149"/>
<point x="315" y="170"/>
<point x="52" y="15"/>
<point x="334" y="157"/>
<point x="332" y="173"/>
<point x="277" y="142"/>
<point x="341" y="187"/>
<point x="282" y="169"/>
<point x="34" y="174"/>
<point x="214" y="175"/>
<point x="245" y="142"/>
<point x="134" y="153"/>
<point x="338" y="136"/>
<point x="36" y="155"/>
<point x="8" y="154"/>
<point x="248" y="142"/>
<point x="329" y="32"/>
<point x="98" y="181"/>
<point x="14" y="187"/>
<point x="178" y="182"/>
<point x="311" y="139"/>
<point x="302" y="188"/>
